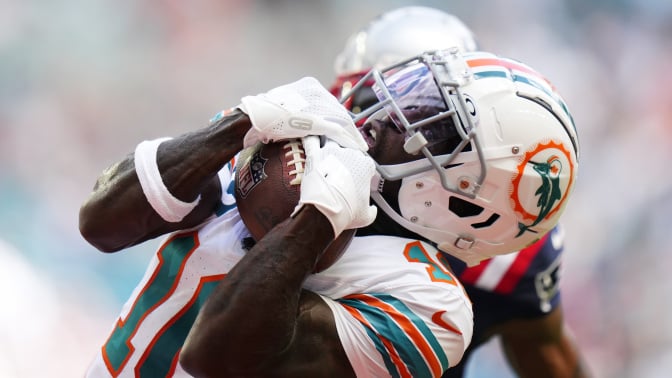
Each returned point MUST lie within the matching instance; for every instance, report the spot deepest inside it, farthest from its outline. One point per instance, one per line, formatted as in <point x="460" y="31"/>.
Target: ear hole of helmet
<point x="464" y="209"/>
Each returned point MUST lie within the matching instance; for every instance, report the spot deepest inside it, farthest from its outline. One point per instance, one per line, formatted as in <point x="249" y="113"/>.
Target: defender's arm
<point x="542" y="347"/>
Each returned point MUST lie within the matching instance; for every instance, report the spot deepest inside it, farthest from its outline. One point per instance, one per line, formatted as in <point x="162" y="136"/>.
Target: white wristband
<point x="171" y="209"/>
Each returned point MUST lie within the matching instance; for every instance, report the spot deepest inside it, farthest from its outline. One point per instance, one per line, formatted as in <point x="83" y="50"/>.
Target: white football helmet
<point x="513" y="158"/>
<point x="396" y="35"/>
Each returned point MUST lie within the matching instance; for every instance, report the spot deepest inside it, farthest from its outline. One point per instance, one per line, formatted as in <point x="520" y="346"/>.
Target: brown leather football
<point x="267" y="189"/>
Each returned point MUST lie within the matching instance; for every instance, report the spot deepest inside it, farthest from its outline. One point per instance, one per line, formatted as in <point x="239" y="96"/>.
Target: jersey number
<point x="436" y="269"/>
<point x="160" y="356"/>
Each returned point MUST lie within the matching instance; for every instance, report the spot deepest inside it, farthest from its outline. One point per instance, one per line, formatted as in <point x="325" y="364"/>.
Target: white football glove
<point x="297" y="110"/>
<point x="337" y="181"/>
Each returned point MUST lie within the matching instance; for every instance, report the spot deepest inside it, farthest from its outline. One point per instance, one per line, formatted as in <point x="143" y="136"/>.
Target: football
<point x="267" y="188"/>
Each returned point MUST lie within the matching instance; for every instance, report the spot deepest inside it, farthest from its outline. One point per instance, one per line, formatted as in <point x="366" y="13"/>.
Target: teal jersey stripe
<point x="168" y="344"/>
<point x="230" y="189"/>
<point x="222" y="208"/>
<point x="385" y="326"/>
<point x="420" y="324"/>
<point x="391" y="368"/>
<point x="172" y="258"/>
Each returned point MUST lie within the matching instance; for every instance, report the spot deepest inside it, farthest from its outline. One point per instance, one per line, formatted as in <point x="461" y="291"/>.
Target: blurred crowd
<point x="82" y="82"/>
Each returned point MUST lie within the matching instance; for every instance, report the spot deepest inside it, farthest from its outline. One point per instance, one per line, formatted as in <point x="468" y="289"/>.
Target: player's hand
<point x="337" y="181"/>
<point x="297" y="110"/>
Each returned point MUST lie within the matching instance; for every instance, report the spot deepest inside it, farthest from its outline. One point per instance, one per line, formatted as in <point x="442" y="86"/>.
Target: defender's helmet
<point x="513" y="156"/>
<point x="394" y="36"/>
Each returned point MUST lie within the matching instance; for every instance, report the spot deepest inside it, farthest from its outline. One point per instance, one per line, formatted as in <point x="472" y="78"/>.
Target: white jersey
<point x="398" y="310"/>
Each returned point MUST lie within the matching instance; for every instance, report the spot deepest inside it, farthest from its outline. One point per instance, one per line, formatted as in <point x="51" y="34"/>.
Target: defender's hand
<point x="297" y="110"/>
<point x="337" y="181"/>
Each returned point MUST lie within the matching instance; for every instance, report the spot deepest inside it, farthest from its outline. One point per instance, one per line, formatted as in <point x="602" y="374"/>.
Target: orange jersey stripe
<point x="391" y="351"/>
<point x="121" y="322"/>
<point x="408" y="327"/>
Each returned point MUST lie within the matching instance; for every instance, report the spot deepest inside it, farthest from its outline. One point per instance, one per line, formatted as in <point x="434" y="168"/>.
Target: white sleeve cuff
<point x="171" y="209"/>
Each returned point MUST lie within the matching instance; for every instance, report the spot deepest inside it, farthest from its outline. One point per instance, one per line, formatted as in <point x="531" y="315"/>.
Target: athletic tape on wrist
<point x="171" y="209"/>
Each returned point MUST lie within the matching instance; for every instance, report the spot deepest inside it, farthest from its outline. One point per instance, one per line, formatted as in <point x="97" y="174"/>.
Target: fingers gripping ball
<point x="338" y="182"/>
<point x="267" y="189"/>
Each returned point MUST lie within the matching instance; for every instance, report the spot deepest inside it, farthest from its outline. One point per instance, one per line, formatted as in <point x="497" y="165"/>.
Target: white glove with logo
<point x="337" y="181"/>
<point x="297" y="110"/>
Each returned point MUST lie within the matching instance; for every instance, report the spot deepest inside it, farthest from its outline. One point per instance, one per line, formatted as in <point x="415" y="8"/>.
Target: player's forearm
<point x="117" y="214"/>
<point x="549" y="361"/>
<point x="189" y="162"/>
<point x="249" y="320"/>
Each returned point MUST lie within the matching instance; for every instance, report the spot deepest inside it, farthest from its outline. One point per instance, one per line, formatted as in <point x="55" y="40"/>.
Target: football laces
<point x="296" y="160"/>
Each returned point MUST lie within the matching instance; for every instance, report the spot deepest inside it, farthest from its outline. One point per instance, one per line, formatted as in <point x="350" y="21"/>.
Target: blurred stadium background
<point x="82" y="81"/>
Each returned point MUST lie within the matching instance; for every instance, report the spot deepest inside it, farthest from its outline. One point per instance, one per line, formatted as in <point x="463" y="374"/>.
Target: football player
<point x="516" y="296"/>
<point x="444" y="135"/>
